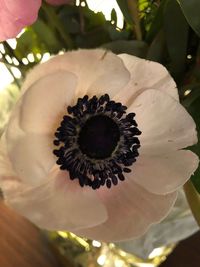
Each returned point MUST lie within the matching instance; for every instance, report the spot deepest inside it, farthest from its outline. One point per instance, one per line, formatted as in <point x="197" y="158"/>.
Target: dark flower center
<point x="97" y="142"/>
<point x="99" y="137"/>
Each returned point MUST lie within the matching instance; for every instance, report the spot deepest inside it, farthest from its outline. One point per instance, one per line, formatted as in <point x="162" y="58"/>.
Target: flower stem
<point x="193" y="199"/>
<point x="133" y="6"/>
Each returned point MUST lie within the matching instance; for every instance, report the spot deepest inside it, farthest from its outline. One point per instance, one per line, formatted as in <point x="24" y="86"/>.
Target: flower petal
<point x="164" y="174"/>
<point x="9" y="182"/>
<point x="11" y="186"/>
<point x="6" y="168"/>
<point x="32" y="157"/>
<point x="46" y="101"/>
<point x="30" y="132"/>
<point x="131" y="210"/>
<point x="178" y="225"/>
<point x="145" y="75"/>
<point x="98" y="71"/>
<point x="15" y="15"/>
<point x="164" y="123"/>
<point x="60" y="204"/>
<point x="30" y="154"/>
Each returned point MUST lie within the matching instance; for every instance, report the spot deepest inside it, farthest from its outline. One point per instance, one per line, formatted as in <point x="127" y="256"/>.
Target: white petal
<point x="98" y="71"/>
<point x="6" y="168"/>
<point x="19" y="146"/>
<point x="145" y="74"/>
<point x="11" y="186"/>
<point x="31" y="154"/>
<point x="163" y="174"/>
<point x="113" y="75"/>
<point x="131" y="210"/>
<point x="178" y="225"/>
<point x="9" y="181"/>
<point x="60" y="204"/>
<point x="32" y="157"/>
<point x="164" y="123"/>
<point x="45" y="102"/>
<point x="13" y="131"/>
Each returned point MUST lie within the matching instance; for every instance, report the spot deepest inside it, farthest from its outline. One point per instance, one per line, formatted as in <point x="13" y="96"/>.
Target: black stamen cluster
<point x="96" y="171"/>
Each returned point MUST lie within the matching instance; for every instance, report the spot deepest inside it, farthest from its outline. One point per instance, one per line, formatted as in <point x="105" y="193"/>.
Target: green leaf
<point x="25" y="44"/>
<point x="193" y="199"/>
<point x="69" y="16"/>
<point x="196" y="179"/>
<point x="192" y="104"/>
<point x="191" y="9"/>
<point x="176" y="30"/>
<point x="157" y="23"/>
<point x="114" y="16"/>
<point x="47" y="36"/>
<point x="28" y="43"/>
<point x="93" y="19"/>
<point x="136" y="48"/>
<point x="157" y="49"/>
<point x="115" y="34"/>
<point x="92" y="39"/>
<point x="123" y="4"/>
<point x="189" y="100"/>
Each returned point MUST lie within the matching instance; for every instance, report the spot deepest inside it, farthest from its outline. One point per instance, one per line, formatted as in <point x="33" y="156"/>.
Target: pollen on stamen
<point x="97" y="142"/>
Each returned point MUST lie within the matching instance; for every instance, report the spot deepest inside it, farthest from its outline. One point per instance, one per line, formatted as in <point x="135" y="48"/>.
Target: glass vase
<point x="75" y="251"/>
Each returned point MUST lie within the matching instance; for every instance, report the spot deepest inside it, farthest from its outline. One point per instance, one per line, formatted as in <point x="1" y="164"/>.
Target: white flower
<point x="95" y="143"/>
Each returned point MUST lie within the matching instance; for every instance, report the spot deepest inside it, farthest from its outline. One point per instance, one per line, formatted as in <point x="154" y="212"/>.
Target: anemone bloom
<point x="94" y="145"/>
<point x="17" y="14"/>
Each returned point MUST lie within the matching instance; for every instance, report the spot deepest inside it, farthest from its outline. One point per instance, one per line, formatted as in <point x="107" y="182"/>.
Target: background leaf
<point x="192" y="104"/>
<point x="191" y="9"/>
<point x="176" y="31"/>
<point x="157" y="23"/>
<point x="193" y="199"/>
<point x="46" y="36"/>
<point x="123" y="4"/>
<point x="157" y="50"/>
<point x="136" y="48"/>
